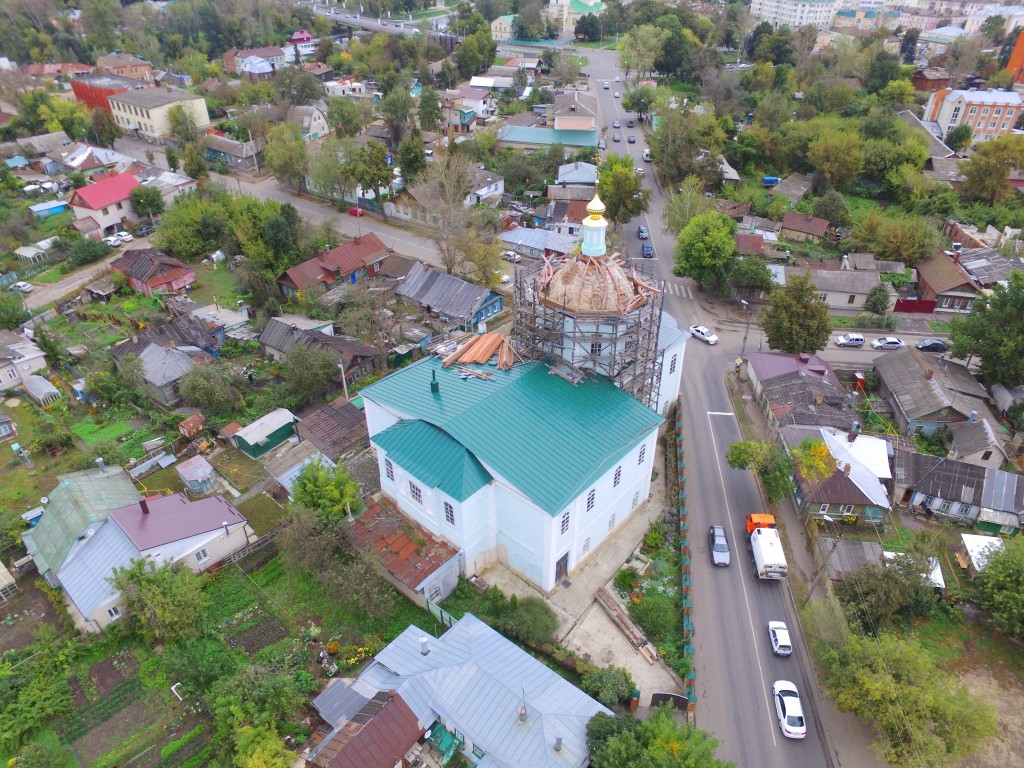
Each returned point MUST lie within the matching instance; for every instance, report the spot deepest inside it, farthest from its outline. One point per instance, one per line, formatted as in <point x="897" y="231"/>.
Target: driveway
<point x="45" y="294"/>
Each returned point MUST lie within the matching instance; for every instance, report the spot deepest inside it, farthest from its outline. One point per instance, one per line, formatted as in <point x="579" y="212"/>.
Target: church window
<point x="595" y="347"/>
<point x="389" y="470"/>
<point x="643" y="454"/>
<point x="415" y="492"/>
<point x="565" y="521"/>
<point x="591" y="498"/>
<point x="449" y="514"/>
<point x="618" y="477"/>
<point x="672" y="364"/>
<point x="611" y="523"/>
<point x="586" y="545"/>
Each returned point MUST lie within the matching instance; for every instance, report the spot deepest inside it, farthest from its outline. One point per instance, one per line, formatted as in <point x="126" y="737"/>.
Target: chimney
<point x="522" y="714"/>
<point x="226" y="532"/>
<point x="101" y="464"/>
<point x="435" y="388"/>
<point x="928" y="374"/>
<point x="424" y="646"/>
<point x="144" y="506"/>
<point x="973" y="417"/>
<point x="392" y="693"/>
<point x="846" y="470"/>
<point x="558" y="743"/>
<point x="851" y="436"/>
<point x="956" y="257"/>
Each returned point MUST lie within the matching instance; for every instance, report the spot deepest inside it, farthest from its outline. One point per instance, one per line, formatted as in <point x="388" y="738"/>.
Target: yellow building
<point x="145" y="111"/>
<point x="501" y="28"/>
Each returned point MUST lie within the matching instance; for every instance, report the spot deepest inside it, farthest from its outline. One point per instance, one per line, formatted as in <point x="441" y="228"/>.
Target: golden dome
<point x="595" y="207"/>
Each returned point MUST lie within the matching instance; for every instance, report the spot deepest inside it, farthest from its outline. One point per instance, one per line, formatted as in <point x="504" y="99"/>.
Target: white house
<point x="19" y="359"/>
<point x="520" y="467"/>
<point x="486" y="187"/>
<point x="104" y="207"/>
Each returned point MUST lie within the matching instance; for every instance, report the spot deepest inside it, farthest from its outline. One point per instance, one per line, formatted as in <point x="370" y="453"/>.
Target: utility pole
<point x="746" y="332"/>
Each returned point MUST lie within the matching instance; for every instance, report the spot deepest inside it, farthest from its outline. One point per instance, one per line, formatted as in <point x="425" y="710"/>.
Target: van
<point x="647" y="155"/>
<point x="759" y="520"/>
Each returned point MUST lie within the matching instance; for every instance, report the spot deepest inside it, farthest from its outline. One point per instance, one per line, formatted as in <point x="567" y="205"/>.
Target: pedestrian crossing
<point x="678" y="289"/>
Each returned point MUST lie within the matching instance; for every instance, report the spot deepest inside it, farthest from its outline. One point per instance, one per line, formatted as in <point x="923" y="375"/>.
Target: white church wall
<point x="521" y="534"/>
<point x="671" y="375"/>
<point x="378" y="418"/>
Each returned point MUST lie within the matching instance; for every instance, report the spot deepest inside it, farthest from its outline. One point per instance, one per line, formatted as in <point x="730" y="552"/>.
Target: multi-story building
<point x="146" y="112"/>
<point x="990" y="114"/>
<point x="233" y="57"/>
<point x="125" y="65"/>
<point x="95" y="90"/>
<point x="794" y="13"/>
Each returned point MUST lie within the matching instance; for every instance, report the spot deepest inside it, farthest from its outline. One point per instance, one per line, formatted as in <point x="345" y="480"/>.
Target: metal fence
<point x="441" y="614"/>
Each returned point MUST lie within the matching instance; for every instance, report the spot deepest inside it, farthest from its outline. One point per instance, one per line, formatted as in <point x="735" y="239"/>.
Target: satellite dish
<point x="44" y="500"/>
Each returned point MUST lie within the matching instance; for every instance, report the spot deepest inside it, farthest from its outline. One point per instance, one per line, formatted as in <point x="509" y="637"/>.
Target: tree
<point x="198" y="662"/>
<point x="884" y="69"/>
<point x="331" y="495"/>
<point x="396" y="108"/>
<point x="194" y="164"/>
<point x="640" y="48"/>
<point x="213" y="391"/>
<point x="877" y="302"/>
<point x="639" y="100"/>
<point x="147" y="202"/>
<point x="706" y="249"/>
<point x="768" y="460"/>
<point x="909" y="239"/>
<point x="987" y="173"/>
<point x="587" y="28"/>
<point x="372" y="170"/>
<point x="479" y="256"/>
<point x="332" y="168"/>
<point x="882" y="596"/>
<point x="167" y="602"/>
<point x="1000" y="585"/>
<point x="285" y="154"/>
<point x="343" y="116"/>
<point x="295" y="85"/>
<point x="622" y="190"/>
<point x="908" y="46"/>
<point x="832" y="207"/>
<point x="609" y="685"/>
<point x="429" y="111"/>
<point x="182" y="124"/>
<point x="12" y="310"/>
<point x="994" y="29"/>
<point x="84" y="251"/>
<point x="797" y="320"/>
<point x="101" y="19"/>
<point x="657" y="741"/>
<point x="994" y="331"/>
<point x="261" y="748"/>
<point x="682" y="206"/>
<point x="897" y="94"/>
<point x="688" y="144"/>
<point x="837" y="155"/>
<point x="41" y="756"/>
<point x="102" y="128"/>
<point x="566" y="70"/>
<point x="751" y="274"/>
<point x="173" y="160"/>
<point x="446" y="182"/>
<point x="959" y="137"/>
<point x="310" y="371"/>
<point x="922" y="716"/>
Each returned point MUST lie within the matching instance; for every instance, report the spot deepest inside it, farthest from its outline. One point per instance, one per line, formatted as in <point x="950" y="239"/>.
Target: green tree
<point x="101" y="18"/>
<point x="897" y="94"/>
<point x="12" y="310"/>
<point x="166" y="602"/>
<point x="688" y="144"/>
<point x="639" y="100"/>
<point x="84" y="251"/>
<point x="147" y="202"/>
<point x="332" y="168"/>
<point x="770" y="463"/>
<point x="77" y="179"/>
<point x="41" y="756"/>
<point x="198" y="662"/>
<point x="922" y="716"/>
<point x="797" y="320"/>
<point x="372" y="170"/>
<point x="429" y="110"/>
<point x="622" y="190"/>
<point x="285" y="154"/>
<point x="609" y="685"/>
<point x="182" y="124"/>
<point x="657" y="741"/>
<point x="883" y="596"/>
<point x="214" y="391"/>
<point x="261" y="748"/>
<point x="994" y="331"/>
<point x="310" y="371"/>
<point x="838" y="156"/>
<point x="102" y="128"/>
<point x="682" y="206"/>
<point x="331" y="494"/>
<point x="172" y="157"/>
<point x="706" y="249"/>
<point x="832" y="207"/>
<point x="878" y="302"/>
<point x="885" y="68"/>
<point x="1000" y="585"/>
<point x="254" y="696"/>
<point x="295" y="85"/>
<point x="640" y="47"/>
<point x="987" y="173"/>
<point x="343" y="116"/>
<point x="910" y="239"/>
<point x="194" y="165"/>
<point x="959" y="137"/>
<point x="396" y="109"/>
<point x="752" y="274"/>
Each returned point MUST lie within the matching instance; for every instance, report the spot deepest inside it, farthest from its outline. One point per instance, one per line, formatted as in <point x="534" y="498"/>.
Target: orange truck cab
<point x="759" y="520"/>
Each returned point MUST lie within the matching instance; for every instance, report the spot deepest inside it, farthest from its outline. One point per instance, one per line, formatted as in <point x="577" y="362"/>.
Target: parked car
<point x="616" y="124"/>
<point x="932" y="345"/>
<point x="642" y="232"/>
<point x="789" y="710"/>
<point x="144" y="230"/>
<point x="850" y="340"/>
<point x="718" y="544"/>
<point x="113" y="241"/>
<point x="630" y="123"/>
<point x="616" y="94"/>
<point x="704" y="334"/>
<point x="601" y="145"/>
<point x="647" y="250"/>
<point x="606" y="86"/>
<point x="888" y="342"/>
<point x="639" y="171"/>
<point x="616" y="78"/>
<point x="356" y="211"/>
<point x="512" y="256"/>
<point x="631" y="139"/>
<point x="779" y="634"/>
<point x="125" y="237"/>
<point x="616" y="137"/>
<point x="21" y="285"/>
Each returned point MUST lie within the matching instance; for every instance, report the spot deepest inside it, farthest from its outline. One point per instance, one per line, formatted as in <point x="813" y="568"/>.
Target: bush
<point x="655" y="537"/>
<point x="530" y="620"/>
<point x="610" y="685"/>
<point x="656" y="615"/>
<point x="626" y="579"/>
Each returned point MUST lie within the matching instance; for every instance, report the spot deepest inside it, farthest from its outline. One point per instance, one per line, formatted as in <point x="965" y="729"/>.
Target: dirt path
<point x="1006" y="694"/>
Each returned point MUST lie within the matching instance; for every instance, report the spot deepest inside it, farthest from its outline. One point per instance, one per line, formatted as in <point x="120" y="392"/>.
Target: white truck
<point x="769" y="559"/>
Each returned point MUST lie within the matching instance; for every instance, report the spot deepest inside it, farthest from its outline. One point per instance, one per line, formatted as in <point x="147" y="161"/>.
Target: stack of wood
<point x="480" y="349"/>
<point x="620" y="618"/>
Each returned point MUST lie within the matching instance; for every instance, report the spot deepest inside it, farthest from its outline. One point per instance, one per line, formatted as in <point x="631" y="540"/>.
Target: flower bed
<point x="84" y="720"/>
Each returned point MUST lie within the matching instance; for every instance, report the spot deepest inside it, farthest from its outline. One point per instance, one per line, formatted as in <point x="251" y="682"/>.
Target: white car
<point x="512" y="256"/>
<point x="506" y="279"/>
<point x="126" y="237"/>
<point x="888" y="342"/>
<point x="21" y="286"/>
<point x="789" y="709"/>
<point x="113" y="241"/>
<point x="615" y="95"/>
<point x="606" y="86"/>
<point x="704" y="334"/>
<point x="779" y="634"/>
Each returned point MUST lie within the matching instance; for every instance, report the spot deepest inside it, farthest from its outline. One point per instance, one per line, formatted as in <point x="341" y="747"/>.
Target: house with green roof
<point x="520" y="466"/>
<point x="80" y="503"/>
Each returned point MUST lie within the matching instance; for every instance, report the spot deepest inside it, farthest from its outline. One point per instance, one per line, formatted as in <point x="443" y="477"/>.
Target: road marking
<point x="677" y="289"/>
<point x="743" y="582"/>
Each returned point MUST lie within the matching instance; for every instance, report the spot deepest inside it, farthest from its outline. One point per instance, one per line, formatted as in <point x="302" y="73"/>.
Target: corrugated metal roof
<point x="339" y="702"/>
<point x="546" y="437"/>
<point x="434" y="457"/>
<point x="441" y="293"/>
<point x="476" y="680"/>
<point x="84" y="576"/>
<point x="266" y="425"/>
<point x="173" y="518"/>
<point x="195" y="469"/>
<point x="769" y="365"/>
<point x="80" y="499"/>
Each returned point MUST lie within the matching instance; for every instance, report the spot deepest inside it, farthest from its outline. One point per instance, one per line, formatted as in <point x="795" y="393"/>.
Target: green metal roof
<point x="434" y="457"/>
<point x="79" y="500"/>
<point x="546" y="437"/>
<point x="583" y="8"/>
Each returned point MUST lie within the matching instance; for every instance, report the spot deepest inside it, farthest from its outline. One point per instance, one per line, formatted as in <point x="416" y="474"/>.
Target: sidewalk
<point x="583" y="625"/>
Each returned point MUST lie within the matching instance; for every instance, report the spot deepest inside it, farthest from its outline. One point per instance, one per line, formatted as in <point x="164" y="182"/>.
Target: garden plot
<point x="20" y="616"/>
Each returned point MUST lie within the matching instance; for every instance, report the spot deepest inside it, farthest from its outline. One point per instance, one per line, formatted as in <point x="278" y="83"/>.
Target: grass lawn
<point x="859" y="206"/>
<point x="89" y="432"/>
<point x="263" y="513"/>
<point x="842" y="321"/>
<point x="49" y="276"/>
<point x="95" y="335"/>
<point x="598" y="45"/>
<point x="163" y="479"/>
<point x="241" y="471"/>
<point x="219" y="284"/>
<point x="939" y="326"/>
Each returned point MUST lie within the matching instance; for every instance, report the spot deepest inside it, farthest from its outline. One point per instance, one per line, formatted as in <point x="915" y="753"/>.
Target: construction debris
<point x="479" y="350"/>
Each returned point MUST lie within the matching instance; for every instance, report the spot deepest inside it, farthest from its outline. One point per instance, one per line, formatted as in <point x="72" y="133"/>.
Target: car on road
<point x="647" y="250"/>
<point x="113" y="241"/>
<point x="932" y="345"/>
<point x="355" y="210"/>
<point x="718" y="545"/>
<point x="601" y="145"/>
<point x="607" y="86"/>
<point x="125" y="237"/>
<point x="850" y="340"/>
<point x="144" y="230"/>
<point x="616" y="124"/>
<point x="615" y="95"/>
<point x="704" y="334"/>
<point x="789" y="709"/>
<point x="505" y="279"/>
<point x="779" y="634"/>
<point x="616" y="137"/>
<point x="512" y="256"/>
<point x="630" y="123"/>
<point x="631" y="139"/>
<point x="642" y="232"/>
<point x="616" y="78"/>
<point x="21" y="286"/>
<point x="888" y="342"/>
<point x="639" y="171"/>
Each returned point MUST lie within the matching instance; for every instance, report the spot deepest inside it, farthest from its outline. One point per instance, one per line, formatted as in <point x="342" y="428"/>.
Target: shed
<point x="8" y="586"/>
<point x="975" y="550"/>
<point x="198" y="475"/>
<point x="49" y="208"/>
<point x="266" y="433"/>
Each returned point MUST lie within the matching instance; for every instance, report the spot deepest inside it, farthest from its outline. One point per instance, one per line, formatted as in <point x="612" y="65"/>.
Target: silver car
<point x="718" y="544"/>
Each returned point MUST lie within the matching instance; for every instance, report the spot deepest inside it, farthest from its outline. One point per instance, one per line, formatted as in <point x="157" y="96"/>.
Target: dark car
<point x="642" y="232"/>
<point x="647" y="250"/>
<point x="145" y="229"/>
<point x="631" y="139"/>
<point x="718" y="544"/>
<point x="630" y="123"/>
<point x="616" y="137"/>
<point x="932" y="345"/>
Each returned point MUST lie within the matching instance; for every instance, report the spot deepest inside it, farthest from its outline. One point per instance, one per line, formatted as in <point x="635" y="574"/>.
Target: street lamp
<point x="746" y="332"/>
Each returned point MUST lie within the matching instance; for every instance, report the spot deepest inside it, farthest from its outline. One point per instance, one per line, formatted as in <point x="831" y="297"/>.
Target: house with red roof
<point x="104" y="207"/>
<point x="347" y="263"/>
<point x="148" y="271"/>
